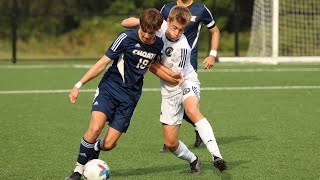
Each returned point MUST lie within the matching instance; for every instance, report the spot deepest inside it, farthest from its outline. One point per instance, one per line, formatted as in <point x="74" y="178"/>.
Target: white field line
<point x="158" y="89"/>
<point x="87" y="66"/>
<point x="53" y="66"/>
<point x="231" y="70"/>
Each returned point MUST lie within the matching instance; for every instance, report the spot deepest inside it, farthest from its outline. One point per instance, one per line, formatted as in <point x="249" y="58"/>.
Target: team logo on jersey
<point x="168" y="51"/>
<point x="193" y="18"/>
<point x="137" y="45"/>
<point x="186" y="91"/>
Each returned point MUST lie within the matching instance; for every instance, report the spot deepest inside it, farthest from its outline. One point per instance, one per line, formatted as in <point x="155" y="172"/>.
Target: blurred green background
<point x="54" y="29"/>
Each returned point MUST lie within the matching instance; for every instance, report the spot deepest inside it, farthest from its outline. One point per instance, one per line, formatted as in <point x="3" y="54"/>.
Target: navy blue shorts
<point x="119" y="111"/>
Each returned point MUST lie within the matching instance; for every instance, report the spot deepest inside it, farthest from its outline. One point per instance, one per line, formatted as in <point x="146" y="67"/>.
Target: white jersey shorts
<point x="172" y="109"/>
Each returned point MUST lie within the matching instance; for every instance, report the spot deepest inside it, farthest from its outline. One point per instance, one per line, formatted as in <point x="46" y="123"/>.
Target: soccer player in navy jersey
<point x="199" y="14"/>
<point x="120" y="88"/>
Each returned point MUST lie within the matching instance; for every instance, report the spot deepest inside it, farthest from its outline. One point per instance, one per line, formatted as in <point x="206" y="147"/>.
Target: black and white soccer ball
<point x="96" y="169"/>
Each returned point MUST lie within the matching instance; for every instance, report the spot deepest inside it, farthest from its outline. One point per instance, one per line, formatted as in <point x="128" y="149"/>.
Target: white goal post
<point x="283" y="31"/>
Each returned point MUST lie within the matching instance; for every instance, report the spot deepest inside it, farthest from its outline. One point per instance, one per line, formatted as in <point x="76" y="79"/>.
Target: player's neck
<point x="168" y="37"/>
<point x="184" y="3"/>
<point x="147" y="42"/>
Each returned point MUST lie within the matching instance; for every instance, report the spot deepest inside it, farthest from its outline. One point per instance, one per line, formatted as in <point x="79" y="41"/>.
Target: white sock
<point x="96" y="146"/>
<point x="79" y="168"/>
<point x="184" y="153"/>
<point x="206" y="133"/>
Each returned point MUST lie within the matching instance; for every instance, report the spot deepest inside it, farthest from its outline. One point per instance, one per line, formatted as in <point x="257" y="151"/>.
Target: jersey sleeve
<point x="207" y="18"/>
<point x="115" y="50"/>
<point x="163" y="29"/>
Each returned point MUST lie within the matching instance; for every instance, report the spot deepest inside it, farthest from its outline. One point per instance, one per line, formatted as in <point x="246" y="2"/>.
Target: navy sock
<point x="86" y="151"/>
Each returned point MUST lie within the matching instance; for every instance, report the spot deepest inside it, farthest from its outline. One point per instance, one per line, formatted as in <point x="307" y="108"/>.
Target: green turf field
<point x="265" y="119"/>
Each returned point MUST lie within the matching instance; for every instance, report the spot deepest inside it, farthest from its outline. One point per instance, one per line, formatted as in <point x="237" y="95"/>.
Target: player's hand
<point x="178" y="77"/>
<point x="181" y="80"/>
<point x="74" y="95"/>
<point x="209" y="62"/>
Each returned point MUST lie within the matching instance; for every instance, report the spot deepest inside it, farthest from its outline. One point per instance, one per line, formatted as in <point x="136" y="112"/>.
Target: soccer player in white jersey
<point x="177" y="99"/>
<point x="176" y="55"/>
<point x="200" y="14"/>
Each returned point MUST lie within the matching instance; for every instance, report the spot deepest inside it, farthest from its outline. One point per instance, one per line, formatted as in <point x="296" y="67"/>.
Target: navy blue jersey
<point x="200" y="14"/>
<point x="131" y="58"/>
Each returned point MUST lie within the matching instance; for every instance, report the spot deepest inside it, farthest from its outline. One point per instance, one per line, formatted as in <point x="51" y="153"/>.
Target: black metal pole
<point x="14" y="17"/>
<point x="236" y="28"/>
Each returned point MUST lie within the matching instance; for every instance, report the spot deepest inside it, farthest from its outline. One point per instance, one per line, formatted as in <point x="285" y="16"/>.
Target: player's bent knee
<point x="107" y="146"/>
<point x="191" y="112"/>
<point x="172" y="146"/>
<point x="93" y="132"/>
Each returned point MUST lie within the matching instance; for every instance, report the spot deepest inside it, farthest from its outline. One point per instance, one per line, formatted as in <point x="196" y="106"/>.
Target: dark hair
<point x="150" y="20"/>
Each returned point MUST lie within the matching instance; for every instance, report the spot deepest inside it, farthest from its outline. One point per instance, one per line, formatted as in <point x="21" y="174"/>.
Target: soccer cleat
<point x="220" y="164"/>
<point x="198" y="141"/>
<point x="74" y="176"/>
<point x="195" y="167"/>
<point x="164" y="149"/>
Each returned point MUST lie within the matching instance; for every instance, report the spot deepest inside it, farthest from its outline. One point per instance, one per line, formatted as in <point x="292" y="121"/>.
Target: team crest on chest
<point x="168" y="51"/>
<point x="186" y="91"/>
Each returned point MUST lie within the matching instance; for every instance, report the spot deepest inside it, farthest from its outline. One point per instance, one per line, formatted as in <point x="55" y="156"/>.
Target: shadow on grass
<point x="206" y="168"/>
<point x="150" y="170"/>
<point x="228" y="140"/>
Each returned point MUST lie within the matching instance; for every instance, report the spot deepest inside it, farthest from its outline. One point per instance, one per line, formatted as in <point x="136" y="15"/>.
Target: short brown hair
<point x="150" y="20"/>
<point x="180" y="14"/>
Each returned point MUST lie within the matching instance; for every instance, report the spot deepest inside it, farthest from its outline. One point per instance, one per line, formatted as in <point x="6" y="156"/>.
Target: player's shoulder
<point x="130" y="32"/>
<point x="198" y="6"/>
<point x="170" y="5"/>
<point x="159" y="41"/>
<point x="183" y="42"/>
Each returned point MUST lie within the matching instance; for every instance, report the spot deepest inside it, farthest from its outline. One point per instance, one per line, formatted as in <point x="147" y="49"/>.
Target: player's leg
<point x="171" y="119"/>
<point x="170" y="134"/>
<point x="179" y="149"/>
<point x="168" y="115"/>
<point x="118" y="124"/>
<point x="198" y="139"/>
<point x="109" y="141"/>
<point x="191" y="105"/>
<point x="86" y="150"/>
<point x="194" y="63"/>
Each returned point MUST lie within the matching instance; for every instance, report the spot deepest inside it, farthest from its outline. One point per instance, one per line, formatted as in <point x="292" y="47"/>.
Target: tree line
<point x="66" y="15"/>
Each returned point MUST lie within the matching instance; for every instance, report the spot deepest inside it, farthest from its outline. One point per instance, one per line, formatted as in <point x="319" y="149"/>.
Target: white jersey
<point x="176" y="56"/>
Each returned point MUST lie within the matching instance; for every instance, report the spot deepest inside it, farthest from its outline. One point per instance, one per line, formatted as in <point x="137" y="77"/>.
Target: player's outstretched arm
<point x="130" y="22"/>
<point x="166" y="74"/>
<point x="93" y="72"/>
<point x="210" y="60"/>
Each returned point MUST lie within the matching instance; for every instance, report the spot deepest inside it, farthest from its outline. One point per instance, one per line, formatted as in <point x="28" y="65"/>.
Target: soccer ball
<point x="96" y="169"/>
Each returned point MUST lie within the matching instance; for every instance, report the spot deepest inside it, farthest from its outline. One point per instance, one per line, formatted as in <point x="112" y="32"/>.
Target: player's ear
<point x="167" y="20"/>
